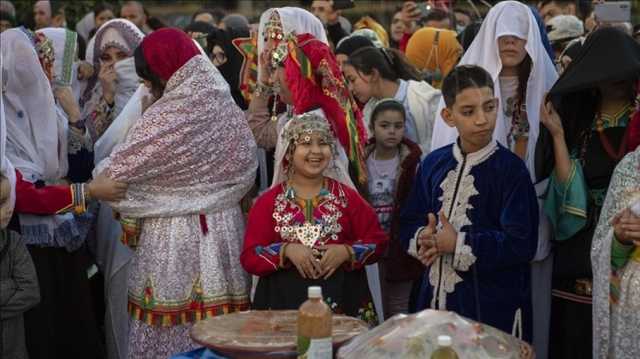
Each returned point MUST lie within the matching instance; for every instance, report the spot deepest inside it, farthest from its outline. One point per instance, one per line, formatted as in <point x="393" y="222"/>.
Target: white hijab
<point x="125" y="36"/>
<point x="6" y="169"/>
<point x="294" y="21"/>
<point x="36" y="138"/>
<point x="516" y="19"/>
<point x="65" y="46"/>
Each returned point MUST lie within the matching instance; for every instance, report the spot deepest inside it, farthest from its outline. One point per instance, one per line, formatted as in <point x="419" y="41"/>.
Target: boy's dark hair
<point x="436" y="15"/>
<point x="463" y="77"/>
<point x="386" y="105"/>
<point x="391" y="64"/>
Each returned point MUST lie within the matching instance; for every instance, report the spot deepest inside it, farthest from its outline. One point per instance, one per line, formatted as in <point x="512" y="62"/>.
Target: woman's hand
<point x="85" y="70"/>
<point x="551" y="120"/>
<point x="334" y="256"/>
<point x="410" y="14"/>
<point x="626" y="227"/>
<point x="104" y="188"/>
<point x="65" y="98"/>
<point x="107" y="77"/>
<point x="265" y="67"/>
<point x="302" y="257"/>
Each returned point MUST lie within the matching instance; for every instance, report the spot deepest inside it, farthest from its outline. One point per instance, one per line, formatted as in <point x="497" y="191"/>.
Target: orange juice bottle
<point x="314" y="327"/>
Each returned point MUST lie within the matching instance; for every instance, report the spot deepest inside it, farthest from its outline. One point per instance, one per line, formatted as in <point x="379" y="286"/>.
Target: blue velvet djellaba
<point x="498" y="218"/>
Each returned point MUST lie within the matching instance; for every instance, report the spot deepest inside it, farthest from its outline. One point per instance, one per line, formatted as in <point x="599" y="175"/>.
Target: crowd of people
<point x="481" y="160"/>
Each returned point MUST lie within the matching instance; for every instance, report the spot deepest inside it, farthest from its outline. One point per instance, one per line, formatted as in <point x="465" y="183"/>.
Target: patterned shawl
<point x="193" y="143"/>
<point x="624" y="190"/>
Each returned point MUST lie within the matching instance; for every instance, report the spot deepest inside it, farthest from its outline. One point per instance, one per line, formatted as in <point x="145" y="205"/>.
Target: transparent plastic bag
<point x="415" y="336"/>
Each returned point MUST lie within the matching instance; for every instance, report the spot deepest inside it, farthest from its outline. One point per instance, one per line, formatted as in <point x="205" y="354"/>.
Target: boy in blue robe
<point x="477" y="252"/>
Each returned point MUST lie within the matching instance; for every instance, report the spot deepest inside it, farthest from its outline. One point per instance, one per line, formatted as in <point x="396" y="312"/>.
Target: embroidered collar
<point x="476" y="157"/>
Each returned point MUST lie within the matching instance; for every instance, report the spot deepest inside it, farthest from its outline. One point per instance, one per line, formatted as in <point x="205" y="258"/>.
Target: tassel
<point x="203" y="225"/>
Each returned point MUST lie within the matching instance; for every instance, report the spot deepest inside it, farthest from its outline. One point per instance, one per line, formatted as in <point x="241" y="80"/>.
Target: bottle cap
<point x="315" y="292"/>
<point x="444" y="340"/>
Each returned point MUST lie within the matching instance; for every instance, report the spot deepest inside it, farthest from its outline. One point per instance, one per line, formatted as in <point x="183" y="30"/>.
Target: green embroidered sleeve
<point x="620" y="254"/>
<point x="566" y="203"/>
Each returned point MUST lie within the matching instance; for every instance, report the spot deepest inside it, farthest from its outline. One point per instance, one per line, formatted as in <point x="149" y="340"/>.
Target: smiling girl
<point x="312" y="229"/>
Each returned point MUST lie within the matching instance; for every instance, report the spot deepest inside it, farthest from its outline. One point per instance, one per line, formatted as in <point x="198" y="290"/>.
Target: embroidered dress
<point x="337" y="216"/>
<point x="616" y="271"/>
<point x="185" y="186"/>
<point x="496" y="217"/>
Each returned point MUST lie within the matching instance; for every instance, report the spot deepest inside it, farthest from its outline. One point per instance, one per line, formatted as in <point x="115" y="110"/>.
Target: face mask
<point x="460" y="28"/>
<point x="126" y="75"/>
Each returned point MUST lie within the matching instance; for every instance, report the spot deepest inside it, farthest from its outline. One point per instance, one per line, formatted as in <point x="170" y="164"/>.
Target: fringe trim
<point x="167" y="317"/>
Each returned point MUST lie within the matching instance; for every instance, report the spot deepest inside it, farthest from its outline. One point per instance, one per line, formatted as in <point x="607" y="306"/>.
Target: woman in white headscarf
<point x="65" y="85"/>
<point x="510" y="48"/>
<point x="53" y="215"/>
<point x="7" y="173"/>
<point x="275" y="25"/>
<point x="114" y="80"/>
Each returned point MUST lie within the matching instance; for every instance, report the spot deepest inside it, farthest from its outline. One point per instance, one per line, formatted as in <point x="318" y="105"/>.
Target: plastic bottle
<point x="314" y="327"/>
<point x="444" y="351"/>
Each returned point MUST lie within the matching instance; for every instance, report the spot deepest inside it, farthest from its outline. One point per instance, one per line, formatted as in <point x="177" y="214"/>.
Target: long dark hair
<point x="524" y="71"/>
<point x="391" y="64"/>
<point x="144" y="72"/>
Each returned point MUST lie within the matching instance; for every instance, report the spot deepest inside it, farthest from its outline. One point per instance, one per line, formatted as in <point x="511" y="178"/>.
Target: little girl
<point x="392" y="160"/>
<point x="312" y="229"/>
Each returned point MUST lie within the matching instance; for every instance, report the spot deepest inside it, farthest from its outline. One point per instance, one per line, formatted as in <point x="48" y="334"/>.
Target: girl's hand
<point x="551" y="120"/>
<point x="302" y="257"/>
<point x="626" y="227"/>
<point x="334" y="256"/>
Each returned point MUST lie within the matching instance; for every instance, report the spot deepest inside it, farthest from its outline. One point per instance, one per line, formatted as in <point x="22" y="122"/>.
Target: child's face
<point x="388" y="128"/>
<point x="512" y="50"/>
<point x="474" y="116"/>
<point x="311" y="155"/>
<point x="359" y="83"/>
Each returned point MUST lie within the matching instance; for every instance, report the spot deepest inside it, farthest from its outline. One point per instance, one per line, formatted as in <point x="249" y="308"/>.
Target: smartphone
<point x="614" y="11"/>
<point x="424" y="9"/>
<point x="343" y="4"/>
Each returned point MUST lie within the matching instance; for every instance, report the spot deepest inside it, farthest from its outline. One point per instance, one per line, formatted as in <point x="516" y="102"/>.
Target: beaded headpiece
<point x="44" y="48"/>
<point x="303" y="126"/>
<point x="273" y="29"/>
<point x="280" y="52"/>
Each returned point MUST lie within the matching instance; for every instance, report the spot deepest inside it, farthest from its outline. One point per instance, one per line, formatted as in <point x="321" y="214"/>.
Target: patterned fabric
<point x="337" y="216"/>
<point x="315" y="80"/>
<point x="178" y="181"/>
<point x="616" y="327"/>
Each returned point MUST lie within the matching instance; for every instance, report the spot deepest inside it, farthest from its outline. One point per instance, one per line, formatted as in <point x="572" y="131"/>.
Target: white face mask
<point x="126" y="76"/>
<point x="460" y="28"/>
